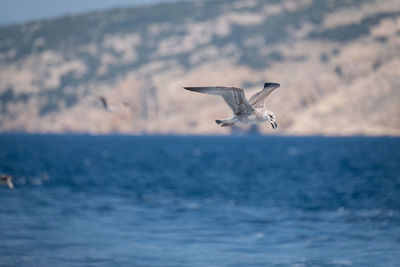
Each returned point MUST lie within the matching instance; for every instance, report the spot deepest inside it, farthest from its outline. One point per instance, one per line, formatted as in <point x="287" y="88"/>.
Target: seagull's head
<point x="270" y="116"/>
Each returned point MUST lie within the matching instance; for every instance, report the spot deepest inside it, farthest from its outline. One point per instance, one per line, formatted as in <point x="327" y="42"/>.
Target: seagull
<point x="245" y="112"/>
<point x="6" y="179"/>
<point x="104" y="103"/>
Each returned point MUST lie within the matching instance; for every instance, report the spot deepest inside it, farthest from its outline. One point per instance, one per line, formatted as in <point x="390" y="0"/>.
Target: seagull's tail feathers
<point x="224" y="123"/>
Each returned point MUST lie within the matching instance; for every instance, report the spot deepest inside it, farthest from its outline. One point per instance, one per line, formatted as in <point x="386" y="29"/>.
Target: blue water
<point x="199" y="201"/>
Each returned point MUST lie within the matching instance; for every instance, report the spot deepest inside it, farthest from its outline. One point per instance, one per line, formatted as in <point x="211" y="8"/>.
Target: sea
<point x="119" y="200"/>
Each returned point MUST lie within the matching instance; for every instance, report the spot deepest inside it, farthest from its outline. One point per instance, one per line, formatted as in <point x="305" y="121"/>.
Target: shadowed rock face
<point x="337" y="63"/>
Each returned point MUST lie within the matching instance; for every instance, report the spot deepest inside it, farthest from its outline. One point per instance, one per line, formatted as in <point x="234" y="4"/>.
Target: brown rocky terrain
<point x="338" y="63"/>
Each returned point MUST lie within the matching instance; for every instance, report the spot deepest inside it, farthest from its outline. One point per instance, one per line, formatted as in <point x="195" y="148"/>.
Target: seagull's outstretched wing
<point x="234" y="97"/>
<point x="103" y="101"/>
<point x="10" y="184"/>
<point x="257" y="100"/>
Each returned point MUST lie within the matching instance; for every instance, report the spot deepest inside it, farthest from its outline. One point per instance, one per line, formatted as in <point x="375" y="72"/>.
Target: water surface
<point x="199" y="201"/>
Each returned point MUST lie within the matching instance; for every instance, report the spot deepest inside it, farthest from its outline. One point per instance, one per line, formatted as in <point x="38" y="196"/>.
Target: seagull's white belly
<point x="248" y="120"/>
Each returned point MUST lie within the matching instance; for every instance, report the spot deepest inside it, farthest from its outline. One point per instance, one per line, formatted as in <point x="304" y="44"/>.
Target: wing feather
<point x="233" y="96"/>
<point x="258" y="99"/>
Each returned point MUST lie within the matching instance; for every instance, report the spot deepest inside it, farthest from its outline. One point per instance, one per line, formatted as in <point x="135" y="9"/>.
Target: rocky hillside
<point x="338" y="63"/>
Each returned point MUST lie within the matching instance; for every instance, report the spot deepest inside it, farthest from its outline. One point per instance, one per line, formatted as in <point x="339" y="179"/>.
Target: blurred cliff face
<point x="338" y="63"/>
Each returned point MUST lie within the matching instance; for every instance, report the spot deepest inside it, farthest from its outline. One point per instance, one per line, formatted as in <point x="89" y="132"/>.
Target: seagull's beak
<point x="274" y="125"/>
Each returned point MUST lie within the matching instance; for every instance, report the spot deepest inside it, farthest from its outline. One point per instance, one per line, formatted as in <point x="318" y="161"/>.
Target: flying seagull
<point x="6" y="179"/>
<point x="104" y="103"/>
<point x="245" y="112"/>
